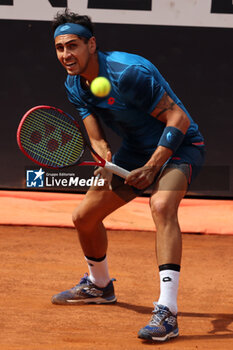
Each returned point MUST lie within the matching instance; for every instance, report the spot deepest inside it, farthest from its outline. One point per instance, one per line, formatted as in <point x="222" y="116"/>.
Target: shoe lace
<point x="84" y="279"/>
<point x="159" y="314"/>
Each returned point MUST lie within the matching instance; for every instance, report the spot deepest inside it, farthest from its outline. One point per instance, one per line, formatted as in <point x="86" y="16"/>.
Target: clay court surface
<point x="37" y="262"/>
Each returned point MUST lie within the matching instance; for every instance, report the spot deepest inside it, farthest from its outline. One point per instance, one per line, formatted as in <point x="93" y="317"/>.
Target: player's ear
<point x="92" y="44"/>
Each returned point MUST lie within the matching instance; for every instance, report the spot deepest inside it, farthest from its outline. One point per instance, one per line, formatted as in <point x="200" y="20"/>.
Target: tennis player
<point x="161" y="147"/>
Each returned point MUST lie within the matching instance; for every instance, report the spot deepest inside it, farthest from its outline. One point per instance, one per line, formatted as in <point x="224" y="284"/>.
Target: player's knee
<point x="161" y="208"/>
<point x="80" y="219"/>
<point x="75" y="217"/>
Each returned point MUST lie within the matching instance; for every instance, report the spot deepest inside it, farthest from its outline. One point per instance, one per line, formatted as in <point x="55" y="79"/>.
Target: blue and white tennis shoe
<point x="86" y="293"/>
<point x="163" y="325"/>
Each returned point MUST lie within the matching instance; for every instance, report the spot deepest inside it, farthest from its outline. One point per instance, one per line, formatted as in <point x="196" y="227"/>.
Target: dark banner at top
<point x="222" y="6"/>
<point x="6" y="2"/>
<point x="58" y="3"/>
<point x="139" y="5"/>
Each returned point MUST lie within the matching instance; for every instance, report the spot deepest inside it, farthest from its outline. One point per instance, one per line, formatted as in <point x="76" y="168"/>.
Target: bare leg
<point x="165" y="201"/>
<point x="88" y="218"/>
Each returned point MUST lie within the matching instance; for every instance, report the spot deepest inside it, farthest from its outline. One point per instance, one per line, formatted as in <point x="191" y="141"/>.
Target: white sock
<point x="169" y="282"/>
<point x="98" y="270"/>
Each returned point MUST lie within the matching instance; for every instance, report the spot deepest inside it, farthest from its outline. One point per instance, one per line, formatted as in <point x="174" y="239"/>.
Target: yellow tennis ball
<point x="100" y="86"/>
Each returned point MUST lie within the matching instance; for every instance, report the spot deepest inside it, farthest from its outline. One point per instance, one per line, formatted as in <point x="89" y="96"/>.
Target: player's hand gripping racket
<point x="53" y="139"/>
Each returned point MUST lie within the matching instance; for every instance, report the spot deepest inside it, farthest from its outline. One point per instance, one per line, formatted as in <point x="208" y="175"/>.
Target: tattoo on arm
<point x="165" y="104"/>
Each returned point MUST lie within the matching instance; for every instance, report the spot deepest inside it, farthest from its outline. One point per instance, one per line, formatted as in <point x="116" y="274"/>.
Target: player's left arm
<point x="176" y="125"/>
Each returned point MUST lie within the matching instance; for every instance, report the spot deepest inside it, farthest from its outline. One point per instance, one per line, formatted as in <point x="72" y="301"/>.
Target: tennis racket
<point x="52" y="138"/>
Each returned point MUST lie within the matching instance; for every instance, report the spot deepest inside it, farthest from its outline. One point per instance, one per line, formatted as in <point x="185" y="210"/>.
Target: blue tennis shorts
<point x="188" y="158"/>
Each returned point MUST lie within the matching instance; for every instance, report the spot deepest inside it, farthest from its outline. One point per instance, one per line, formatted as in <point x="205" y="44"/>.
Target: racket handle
<point x="115" y="169"/>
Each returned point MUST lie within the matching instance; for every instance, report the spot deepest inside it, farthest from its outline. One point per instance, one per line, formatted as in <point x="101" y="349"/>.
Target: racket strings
<point x="51" y="138"/>
<point x="41" y="150"/>
<point x="71" y="153"/>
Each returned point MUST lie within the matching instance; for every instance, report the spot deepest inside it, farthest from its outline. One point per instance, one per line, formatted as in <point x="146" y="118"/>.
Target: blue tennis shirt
<point x="137" y="87"/>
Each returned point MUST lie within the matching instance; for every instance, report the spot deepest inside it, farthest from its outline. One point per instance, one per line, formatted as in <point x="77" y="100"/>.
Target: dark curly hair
<point x="70" y="17"/>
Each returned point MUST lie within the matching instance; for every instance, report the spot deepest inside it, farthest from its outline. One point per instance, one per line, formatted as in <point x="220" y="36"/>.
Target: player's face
<point x="74" y="54"/>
